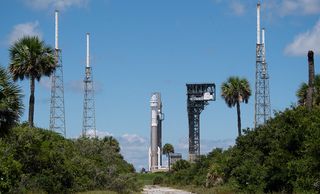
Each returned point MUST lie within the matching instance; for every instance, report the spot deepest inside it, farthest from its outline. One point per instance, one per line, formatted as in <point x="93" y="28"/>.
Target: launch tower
<point x="199" y="96"/>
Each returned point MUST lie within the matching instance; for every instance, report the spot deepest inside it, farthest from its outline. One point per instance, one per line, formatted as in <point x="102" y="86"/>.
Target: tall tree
<point x="167" y="150"/>
<point x="10" y="102"/>
<point x="31" y="58"/>
<point x="234" y="91"/>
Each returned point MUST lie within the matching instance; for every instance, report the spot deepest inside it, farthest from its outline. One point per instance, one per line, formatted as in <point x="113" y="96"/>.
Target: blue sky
<point x="144" y="46"/>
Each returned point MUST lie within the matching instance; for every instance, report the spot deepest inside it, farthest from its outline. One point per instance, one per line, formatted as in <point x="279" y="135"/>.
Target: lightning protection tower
<point x="199" y="96"/>
<point x="57" y="114"/>
<point x="89" y="119"/>
<point x="262" y="95"/>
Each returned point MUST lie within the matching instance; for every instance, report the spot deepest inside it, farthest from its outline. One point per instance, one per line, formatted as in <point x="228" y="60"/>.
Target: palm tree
<point x="302" y="94"/>
<point x="112" y="142"/>
<point x="167" y="150"/>
<point x="303" y="91"/>
<point x="31" y="58"/>
<point x="234" y="91"/>
<point x="10" y="102"/>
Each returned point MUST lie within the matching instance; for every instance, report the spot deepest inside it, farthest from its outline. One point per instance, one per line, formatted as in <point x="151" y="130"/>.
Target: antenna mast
<point x="262" y="93"/>
<point x="89" y="119"/>
<point x="57" y="113"/>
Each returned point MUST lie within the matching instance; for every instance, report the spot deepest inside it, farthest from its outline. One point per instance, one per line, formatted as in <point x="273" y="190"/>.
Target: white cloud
<point x="302" y="43"/>
<point x="56" y="4"/>
<point x="133" y="138"/>
<point x="292" y="7"/>
<point x="288" y="7"/>
<point x="134" y="148"/>
<point x="25" y="29"/>
<point x="206" y="145"/>
<point x="99" y="134"/>
<point x="237" y="8"/>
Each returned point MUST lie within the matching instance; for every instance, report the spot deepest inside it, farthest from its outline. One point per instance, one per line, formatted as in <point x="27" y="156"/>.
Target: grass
<point x="97" y="192"/>
<point x="147" y="179"/>
<point x="101" y="192"/>
<point x="203" y="190"/>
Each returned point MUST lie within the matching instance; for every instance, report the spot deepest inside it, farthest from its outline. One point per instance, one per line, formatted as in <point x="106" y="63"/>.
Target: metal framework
<point x="262" y="94"/>
<point x="57" y="113"/>
<point x="198" y="96"/>
<point x="89" y="119"/>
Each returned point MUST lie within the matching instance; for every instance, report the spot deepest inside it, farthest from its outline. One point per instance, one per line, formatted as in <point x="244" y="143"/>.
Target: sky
<point x="143" y="46"/>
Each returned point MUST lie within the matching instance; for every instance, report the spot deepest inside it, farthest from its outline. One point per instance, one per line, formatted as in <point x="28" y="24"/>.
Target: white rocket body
<point x="155" y="150"/>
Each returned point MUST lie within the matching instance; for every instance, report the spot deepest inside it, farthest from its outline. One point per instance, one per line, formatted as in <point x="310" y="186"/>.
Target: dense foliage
<point x="38" y="160"/>
<point x="303" y="90"/>
<point x="281" y="156"/>
<point x="10" y="102"/>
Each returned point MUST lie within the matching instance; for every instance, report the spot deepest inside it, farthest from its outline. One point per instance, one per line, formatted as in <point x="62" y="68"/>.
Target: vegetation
<point x="37" y="160"/>
<point x="148" y="178"/>
<point x="10" y="102"/>
<point x="234" y="91"/>
<point x="303" y="90"/>
<point x="167" y="150"/>
<point x="30" y="58"/>
<point x="281" y="156"/>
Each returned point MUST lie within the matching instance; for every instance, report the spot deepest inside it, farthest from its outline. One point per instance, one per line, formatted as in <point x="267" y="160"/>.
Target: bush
<point x="158" y="180"/>
<point x="180" y="165"/>
<point x="281" y="156"/>
<point x="43" y="161"/>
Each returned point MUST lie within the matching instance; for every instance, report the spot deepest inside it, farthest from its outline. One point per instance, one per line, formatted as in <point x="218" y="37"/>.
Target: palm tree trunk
<point x="169" y="161"/>
<point x="31" y="101"/>
<point x="311" y="80"/>
<point x="239" y="118"/>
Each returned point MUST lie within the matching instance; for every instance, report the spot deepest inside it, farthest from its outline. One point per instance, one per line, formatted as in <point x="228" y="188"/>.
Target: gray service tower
<point x="155" y="149"/>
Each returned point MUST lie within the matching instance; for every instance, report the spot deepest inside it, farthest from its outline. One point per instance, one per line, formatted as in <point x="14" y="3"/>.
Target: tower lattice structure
<point x="198" y="96"/>
<point x="57" y="111"/>
<point x="89" y="119"/>
<point x="262" y="92"/>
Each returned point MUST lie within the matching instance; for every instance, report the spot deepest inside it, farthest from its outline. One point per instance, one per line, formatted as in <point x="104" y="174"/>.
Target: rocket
<point x="155" y="149"/>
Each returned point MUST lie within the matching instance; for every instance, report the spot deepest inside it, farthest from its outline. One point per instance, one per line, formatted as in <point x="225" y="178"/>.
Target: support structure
<point x="155" y="149"/>
<point x="89" y="119"/>
<point x="262" y="92"/>
<point x="199" y="96"/>
<point x="57" y="113"/>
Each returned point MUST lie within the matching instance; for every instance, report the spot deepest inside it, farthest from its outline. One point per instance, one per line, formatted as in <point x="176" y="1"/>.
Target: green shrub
<point x="281" y="156"/>
<point x="158" y="180"/>
<point x="41" y="160"/>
